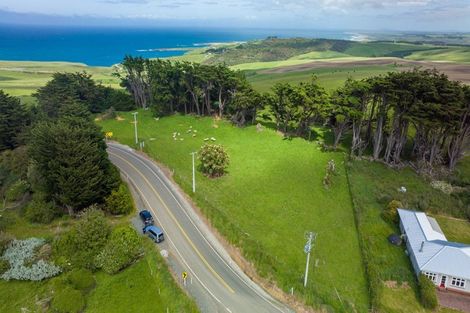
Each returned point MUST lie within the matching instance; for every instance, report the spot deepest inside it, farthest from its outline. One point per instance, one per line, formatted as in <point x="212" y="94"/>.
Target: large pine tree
<point x="70" y="155"/>
<point x="13" y="118"/>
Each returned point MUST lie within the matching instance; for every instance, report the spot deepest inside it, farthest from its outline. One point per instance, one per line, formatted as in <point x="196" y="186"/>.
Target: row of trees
<point x="186" y="87"/>
<point x="417" y="114"/>
<point x="420" y="114"/>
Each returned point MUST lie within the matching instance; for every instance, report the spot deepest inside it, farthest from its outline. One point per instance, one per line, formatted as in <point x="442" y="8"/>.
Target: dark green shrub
<point x="119" y="201"/>
<point x="4" y="266"/>
<point x="81" y="279"/>
<point x="5" y="239"/>
<point x="390" y="214"/>
<point x="67" y="300"/>
<point x="427" y="292"/>
<point x="122" y="249"/>
<point x="40" y="211"/>
<point x="79" y="247"/>
<point x="17" y="190"/>
<point x="214" y="160"/>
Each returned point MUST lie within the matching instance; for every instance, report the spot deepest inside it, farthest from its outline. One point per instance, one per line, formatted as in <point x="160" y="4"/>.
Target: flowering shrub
<point x="443" y="186"/>
<point x="21" y="251"/>
<point x="214" y="160"/>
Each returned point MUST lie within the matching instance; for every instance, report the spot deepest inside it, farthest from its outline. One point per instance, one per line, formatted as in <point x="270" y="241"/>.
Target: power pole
<point x="310" y="236"/>
<point x="194" y="172"/>
<point x="135" y="126"/>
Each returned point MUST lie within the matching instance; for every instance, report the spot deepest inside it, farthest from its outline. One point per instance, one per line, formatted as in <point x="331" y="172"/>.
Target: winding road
<point x="213" y="278"/>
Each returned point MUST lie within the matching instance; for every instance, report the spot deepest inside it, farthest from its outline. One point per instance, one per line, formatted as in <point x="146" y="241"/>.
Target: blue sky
<point x="375" y="15"/>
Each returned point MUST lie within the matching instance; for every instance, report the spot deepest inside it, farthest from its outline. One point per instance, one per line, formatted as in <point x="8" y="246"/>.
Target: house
<point x="446" y="263"/>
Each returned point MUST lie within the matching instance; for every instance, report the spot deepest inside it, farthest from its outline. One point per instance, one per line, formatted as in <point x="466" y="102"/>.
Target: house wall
<point x="466" y="289"/>
<point x="448" y="285"/>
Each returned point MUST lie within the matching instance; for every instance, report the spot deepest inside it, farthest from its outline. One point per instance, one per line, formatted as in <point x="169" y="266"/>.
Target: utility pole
<point x="135" y="126"/>
<point x="310" y="236"/>
<point x="194" y="172"/>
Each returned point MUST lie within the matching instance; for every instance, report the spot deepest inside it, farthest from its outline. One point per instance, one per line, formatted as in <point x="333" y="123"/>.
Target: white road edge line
<point x="137" y="157"/>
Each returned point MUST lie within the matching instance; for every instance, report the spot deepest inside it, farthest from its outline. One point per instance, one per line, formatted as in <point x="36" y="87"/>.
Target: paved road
<point x="214" y="280"/>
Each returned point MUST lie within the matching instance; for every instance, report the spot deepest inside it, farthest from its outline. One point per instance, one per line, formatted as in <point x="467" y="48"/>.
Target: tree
<point x="119" y="201"/>
<point x="13" y="119"/>
<point x="79" y="246"/>
<point x="244" y="104"/>
<point x="70" y="155"/>
<point x="66" y="88"/>
<point x="123" y="247"/>
<point x="136" y="79"/>
<point x="295" y="107"/>
<point x="214" y="160"/>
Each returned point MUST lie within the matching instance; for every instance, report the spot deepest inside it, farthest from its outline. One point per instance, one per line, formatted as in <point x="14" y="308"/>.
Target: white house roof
<point x="430" y="248"/>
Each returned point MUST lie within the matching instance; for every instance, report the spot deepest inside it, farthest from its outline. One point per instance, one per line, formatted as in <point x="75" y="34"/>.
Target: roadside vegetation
<point x="56" y="183"/>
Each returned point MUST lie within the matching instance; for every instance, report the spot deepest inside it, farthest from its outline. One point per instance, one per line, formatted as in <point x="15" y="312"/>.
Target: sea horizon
<point x="106" y="46"/>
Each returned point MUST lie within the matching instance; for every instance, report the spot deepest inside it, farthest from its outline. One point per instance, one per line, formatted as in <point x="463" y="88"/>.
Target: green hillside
<point x="275" y="49"/>
<point x="454" y="54"/>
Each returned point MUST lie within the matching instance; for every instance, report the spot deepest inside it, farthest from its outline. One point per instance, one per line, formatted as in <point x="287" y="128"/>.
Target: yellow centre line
<point x="177" y="223"/>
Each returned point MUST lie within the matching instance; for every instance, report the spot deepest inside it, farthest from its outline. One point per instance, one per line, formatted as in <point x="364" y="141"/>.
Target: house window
<point x="457" y="282"/>
<point x="431" y="276"/>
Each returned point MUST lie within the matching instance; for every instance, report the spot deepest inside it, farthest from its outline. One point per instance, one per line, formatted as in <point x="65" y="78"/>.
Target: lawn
<point x="329" y="78"/>
<point x="271" y="195"/>
<point x="373" y="185"/>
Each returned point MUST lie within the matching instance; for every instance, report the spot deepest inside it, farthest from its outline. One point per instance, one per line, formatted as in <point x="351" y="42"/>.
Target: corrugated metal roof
<point x="430" y="248"/>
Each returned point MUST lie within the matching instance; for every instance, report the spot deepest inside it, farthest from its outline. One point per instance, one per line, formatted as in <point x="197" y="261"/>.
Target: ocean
<point x="103" y="46"/>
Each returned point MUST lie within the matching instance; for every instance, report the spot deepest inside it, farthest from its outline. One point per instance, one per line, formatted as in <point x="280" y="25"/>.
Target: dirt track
<point x="455" y="71"/>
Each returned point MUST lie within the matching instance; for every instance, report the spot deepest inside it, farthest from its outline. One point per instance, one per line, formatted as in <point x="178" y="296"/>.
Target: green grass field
<point x="272" y="194"/>
<point x="329" y="78"/>
<point x="453" y="54"/>
<point x="21" y="78"/>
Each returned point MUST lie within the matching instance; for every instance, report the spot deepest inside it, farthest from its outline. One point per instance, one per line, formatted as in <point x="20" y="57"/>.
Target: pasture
<point x="272" y="194"/>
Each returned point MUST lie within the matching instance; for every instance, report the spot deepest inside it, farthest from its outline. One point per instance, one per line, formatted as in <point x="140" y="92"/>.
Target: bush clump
<point x="122" y="249"/>
<point x="4" y="266"/>
<point x="40" y="211"/>
<point x="67" y="300"/>
<point x="81" y="279"/>
<point x="390" y="213"/>
<point x="119" y="201"/>
<point x="79" y="247"/>
<point x="5" y="240"/>
<point x="214" y="160"/>
<point x="17" y="190"/>
<point x="427" y="292"/>
<point x="19" y="253"/>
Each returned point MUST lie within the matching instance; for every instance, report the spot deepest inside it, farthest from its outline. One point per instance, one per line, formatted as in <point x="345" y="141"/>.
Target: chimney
<point x="422" y="246"/>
